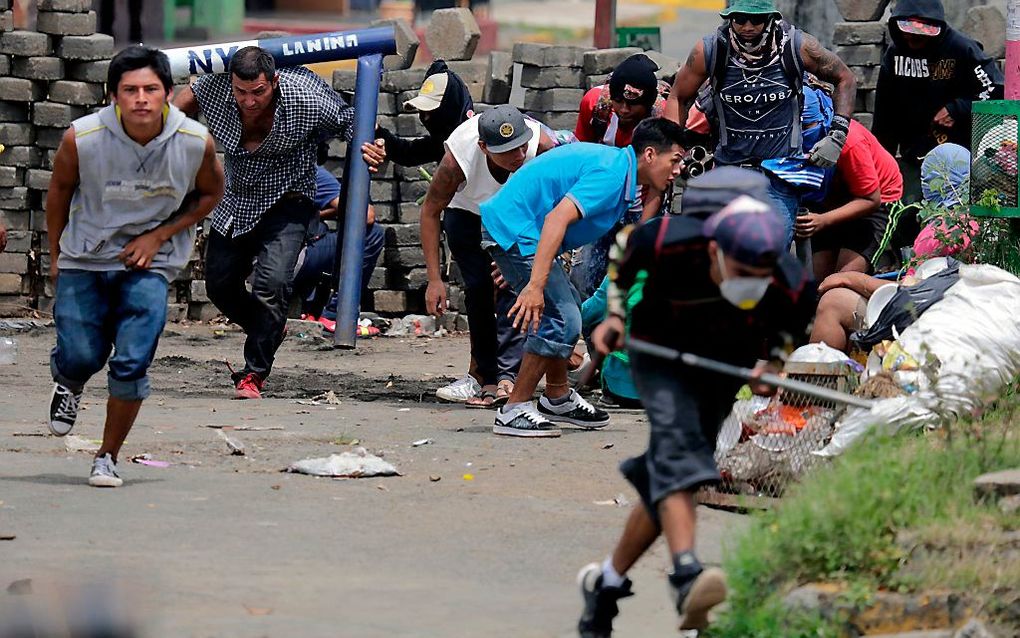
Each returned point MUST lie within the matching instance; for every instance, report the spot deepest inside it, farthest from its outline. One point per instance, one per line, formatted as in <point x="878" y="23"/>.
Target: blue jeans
<point x="314" y="280"/>
<point x="785" y="200"/>
<point x="561" y="320"/>
<point x="96" y="312"/>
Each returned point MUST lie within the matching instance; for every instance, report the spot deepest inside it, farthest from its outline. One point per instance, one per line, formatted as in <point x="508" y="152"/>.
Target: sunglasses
<point x="743" y="18"/>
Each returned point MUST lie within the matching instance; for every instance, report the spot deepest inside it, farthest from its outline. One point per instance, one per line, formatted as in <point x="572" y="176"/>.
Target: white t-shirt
<point x="479" y="184"/>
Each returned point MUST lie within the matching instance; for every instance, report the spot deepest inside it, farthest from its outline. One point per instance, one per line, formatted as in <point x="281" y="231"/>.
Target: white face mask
<point x="742" y="292"/>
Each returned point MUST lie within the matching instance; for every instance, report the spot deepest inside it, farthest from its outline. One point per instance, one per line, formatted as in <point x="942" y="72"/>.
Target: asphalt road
<point x="220" y="545"/>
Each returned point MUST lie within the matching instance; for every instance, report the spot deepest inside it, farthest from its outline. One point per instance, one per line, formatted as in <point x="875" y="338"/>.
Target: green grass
<point x="842" y="525"/>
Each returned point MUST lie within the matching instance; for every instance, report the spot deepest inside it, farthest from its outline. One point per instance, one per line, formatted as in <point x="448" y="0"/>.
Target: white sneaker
<point x="523" y="420"/>
<point x="460" y="390"/>
<point x="576" y="411"/>
<point x="104" y="472"/>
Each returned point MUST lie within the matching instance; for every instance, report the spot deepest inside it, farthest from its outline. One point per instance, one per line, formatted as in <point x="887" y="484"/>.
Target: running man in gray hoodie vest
<point x="121" y="225"/>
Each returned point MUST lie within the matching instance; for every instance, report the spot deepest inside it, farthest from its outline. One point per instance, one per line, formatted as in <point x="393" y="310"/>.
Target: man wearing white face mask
<point x="723" y="288"/>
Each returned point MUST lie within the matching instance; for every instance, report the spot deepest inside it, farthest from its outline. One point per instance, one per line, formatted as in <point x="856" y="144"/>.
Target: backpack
<point x="708" y="98"/>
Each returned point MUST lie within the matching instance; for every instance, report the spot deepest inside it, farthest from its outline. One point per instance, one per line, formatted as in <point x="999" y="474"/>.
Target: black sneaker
<point x="523" y="420"/>
<point x="63" y="409"/>
<point x="695" y="597"/>
<point x="575" y="411"/>
<point x="599" y="602"/>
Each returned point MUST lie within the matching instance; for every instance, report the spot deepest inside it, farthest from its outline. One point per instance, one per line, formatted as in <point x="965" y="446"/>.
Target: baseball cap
<point x="708" y="193"/>
<point x="750" y="7"/>
<point x="749" y="231"/>
<point x="918" y="27"/>
<point x="430" y="95"/>
<point x="503" y="129"/>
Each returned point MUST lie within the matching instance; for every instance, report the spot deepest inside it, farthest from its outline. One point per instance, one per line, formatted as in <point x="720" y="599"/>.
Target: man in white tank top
<point x="481" y="154"/>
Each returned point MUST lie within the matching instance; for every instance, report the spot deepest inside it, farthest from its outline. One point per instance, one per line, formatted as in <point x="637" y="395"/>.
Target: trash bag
<point x="970" y="343"/>
<point x="906" y="306"/>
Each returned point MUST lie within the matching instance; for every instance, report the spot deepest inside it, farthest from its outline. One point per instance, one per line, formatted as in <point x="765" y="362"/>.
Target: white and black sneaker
<point x="63" y="409"/>
<point x="104" y="472"/>
<point x="523" y="420"/>
<point x="575" y="411"/>
<point x="600" y="602"/>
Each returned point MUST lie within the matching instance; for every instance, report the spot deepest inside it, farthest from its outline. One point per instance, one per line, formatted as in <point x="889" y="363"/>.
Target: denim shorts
<point x="123" y="311"/>
<point x="561" y="319"/>
<point x="685" y="410"/>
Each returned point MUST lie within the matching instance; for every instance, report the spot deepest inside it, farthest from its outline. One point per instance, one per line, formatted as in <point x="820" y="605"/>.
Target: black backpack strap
<point x="717" y="53"/>
<point x="793" y="67"/>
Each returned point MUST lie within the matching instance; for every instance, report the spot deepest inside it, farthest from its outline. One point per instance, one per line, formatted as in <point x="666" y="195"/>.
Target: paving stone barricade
<point x="48" y="77"/>
<point x="54" y="74"/>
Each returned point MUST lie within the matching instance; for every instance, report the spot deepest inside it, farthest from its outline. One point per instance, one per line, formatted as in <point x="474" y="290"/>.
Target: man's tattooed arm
<point x="827" y="66"/>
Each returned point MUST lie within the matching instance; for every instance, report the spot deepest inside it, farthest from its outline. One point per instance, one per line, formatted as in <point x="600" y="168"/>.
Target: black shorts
<point x="862" y="236"/>
<point x="685" y="410"/>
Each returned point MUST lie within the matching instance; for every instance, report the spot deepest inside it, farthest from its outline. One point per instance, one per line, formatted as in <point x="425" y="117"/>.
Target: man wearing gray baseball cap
<point x="481" y="154"/>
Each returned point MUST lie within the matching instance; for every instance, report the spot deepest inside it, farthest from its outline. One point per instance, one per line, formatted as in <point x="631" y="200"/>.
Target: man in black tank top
<point x="754" y="64"/>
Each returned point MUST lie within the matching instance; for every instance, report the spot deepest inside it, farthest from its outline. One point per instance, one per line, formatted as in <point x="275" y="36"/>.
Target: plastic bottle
<point x="8" y="350"/>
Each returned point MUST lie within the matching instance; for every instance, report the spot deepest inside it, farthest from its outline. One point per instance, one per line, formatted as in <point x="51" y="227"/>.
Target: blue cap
<point x="749" y="231"/>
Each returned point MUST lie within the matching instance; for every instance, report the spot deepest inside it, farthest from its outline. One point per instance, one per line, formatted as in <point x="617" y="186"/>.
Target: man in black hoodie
<point x="930" y="76"/>
<point x="442" y="104"/>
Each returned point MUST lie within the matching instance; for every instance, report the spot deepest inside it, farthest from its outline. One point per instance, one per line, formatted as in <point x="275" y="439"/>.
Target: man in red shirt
<point x="849" y="219"/>
<point x="608" y="115"/>
<point x="609" y="112"/>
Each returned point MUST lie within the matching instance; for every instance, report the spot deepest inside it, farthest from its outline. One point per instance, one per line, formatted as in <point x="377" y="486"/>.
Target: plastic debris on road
<point x="357" y="464"/>
<point x="75" y="443"/>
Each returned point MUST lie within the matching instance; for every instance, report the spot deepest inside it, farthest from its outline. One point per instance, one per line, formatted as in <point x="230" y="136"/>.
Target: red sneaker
<point x="249" y="387"/>
<point x="327" y="325"/>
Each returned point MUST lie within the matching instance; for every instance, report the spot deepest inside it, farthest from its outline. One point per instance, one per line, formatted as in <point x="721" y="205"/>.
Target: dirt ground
<point x="482" y="535"/>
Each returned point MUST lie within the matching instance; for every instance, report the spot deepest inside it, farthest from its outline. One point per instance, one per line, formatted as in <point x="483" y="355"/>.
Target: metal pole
<point x="773" y="380"/>
<point x="366" y="102"/>
<point x="605" y="23"/>
<point x="1013" y="50"/>
<point x="289" y="51"/>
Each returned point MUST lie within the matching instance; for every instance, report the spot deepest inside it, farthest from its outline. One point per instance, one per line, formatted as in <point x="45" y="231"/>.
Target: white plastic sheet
<point x="359" y="464"/>
<point x="973" y="333"/>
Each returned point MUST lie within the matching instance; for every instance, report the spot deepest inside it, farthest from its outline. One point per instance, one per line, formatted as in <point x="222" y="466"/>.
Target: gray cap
<point x="709" y="193"/>
<point x="503" y="129"/>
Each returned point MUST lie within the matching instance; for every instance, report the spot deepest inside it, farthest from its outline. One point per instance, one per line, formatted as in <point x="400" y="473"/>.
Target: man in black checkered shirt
<point x="269" y="124"/>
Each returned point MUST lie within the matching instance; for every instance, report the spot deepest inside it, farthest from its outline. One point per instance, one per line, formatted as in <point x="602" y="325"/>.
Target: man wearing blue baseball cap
<point x="741" y="298"/>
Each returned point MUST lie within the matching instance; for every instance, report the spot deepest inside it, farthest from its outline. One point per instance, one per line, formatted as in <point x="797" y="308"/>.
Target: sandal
<point x="503" y="390"/>
<point x="484" y="400"/>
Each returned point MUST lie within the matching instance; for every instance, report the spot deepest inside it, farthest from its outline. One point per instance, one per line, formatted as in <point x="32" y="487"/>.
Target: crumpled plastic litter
<point x="357" y="464"/>
<point x="412" y="326"/>
<point x="974" y="337"/>
<point x="817" y="353"/>
<point x="75" y="443"/>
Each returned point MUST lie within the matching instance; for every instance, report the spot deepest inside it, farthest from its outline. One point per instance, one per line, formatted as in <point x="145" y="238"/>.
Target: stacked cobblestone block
<point x="860" y="43"/>
<point x="37" y="103"/>
<point x="554" y="82"/>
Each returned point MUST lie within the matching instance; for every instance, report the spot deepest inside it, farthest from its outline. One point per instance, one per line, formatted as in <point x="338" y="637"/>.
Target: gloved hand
<point x="826" y="152"/>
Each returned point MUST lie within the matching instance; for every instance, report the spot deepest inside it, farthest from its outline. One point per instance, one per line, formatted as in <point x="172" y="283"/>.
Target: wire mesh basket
<point x="993" y="178"/>
<point x="766" y="443"/>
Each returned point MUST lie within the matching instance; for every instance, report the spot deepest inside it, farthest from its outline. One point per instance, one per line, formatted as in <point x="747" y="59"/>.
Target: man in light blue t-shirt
<point x="564" y="199"/>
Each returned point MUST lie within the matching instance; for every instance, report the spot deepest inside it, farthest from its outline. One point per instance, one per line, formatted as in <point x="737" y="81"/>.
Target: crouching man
<point x="119" y="232"/>
<point x="561" y="200"/>
<point x="726" y="289"/>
